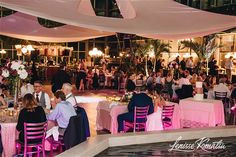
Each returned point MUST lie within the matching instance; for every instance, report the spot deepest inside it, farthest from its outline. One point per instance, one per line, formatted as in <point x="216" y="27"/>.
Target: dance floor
<point x="91" y="107"/>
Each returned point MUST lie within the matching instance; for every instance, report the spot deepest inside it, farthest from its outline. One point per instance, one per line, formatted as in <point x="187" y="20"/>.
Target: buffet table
<point x="108" y="111"/>
<point x="201" y="113"/>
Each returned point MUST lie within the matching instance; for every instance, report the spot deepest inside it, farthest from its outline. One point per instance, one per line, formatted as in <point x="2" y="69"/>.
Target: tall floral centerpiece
<point x="14" y="72"/>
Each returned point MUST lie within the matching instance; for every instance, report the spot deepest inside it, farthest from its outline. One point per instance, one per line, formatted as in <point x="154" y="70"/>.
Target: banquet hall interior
<point x="81" y="78"/>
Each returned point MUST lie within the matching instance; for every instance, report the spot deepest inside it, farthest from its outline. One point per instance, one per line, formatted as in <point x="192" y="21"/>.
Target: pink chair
<point x="33" y="132"/>
<point x="233" y="110"/>
<point x="56" y="144"/>
<point x="121" y="84"/>
<point x="140" y="114"/>
<point x="167" y="115"/>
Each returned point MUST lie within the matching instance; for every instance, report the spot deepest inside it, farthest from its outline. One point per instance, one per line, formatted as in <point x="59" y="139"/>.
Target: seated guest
<point x="169" y="81"/>
<point x="67" y="89"/>
<point x="233" y="94"/>
<point x="150" y="80"/>
<point x="194" y="79"/>
<point x="158" y="78"/>
<point x="31" y="113"/>
<point x="95" y="81"/>
<point x="139" y="100"/>
<point x="62" y="112"/>
<point x="221" y="87"/>
<point x="2" y="100"/>
<point x="130" y="85"/>
<point x="26" y="88"/>
<point x="101" y="78"/>
<point x="187" y="75"/>
<point x="41" y="97"/>
<point x="183" y="81"/>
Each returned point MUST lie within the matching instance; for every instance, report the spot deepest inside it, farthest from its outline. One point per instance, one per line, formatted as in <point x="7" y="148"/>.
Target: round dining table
<point x="8" y="121"/>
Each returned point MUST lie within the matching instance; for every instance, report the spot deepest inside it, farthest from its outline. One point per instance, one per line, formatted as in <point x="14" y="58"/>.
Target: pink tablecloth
<point x="201" y="113"/>
<point x="8" y="133"/>
<point x="107" y="113"/>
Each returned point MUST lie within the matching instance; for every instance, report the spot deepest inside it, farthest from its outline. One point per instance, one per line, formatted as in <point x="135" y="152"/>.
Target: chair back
<point x="167" y="114"/>
<point x="35" y="131"/>
<point x="75" y="132"/>
<point x="121" y="83"/>
<point x="220" y="95"/>
<point x="139" y="83"/>
<point x="140" y="115"/>
<point x="187" y="91"/>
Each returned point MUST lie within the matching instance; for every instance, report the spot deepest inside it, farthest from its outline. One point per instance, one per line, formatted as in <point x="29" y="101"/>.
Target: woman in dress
<point x="31" y="113"/>
<point x="81" y="78"/>
<point x="159" y="102"/>
<point x="168" y="85"/>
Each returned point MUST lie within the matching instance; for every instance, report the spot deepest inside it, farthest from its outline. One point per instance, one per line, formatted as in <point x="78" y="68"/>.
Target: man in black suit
<point x="59" y="79"/>
<point x="139" y="100"/>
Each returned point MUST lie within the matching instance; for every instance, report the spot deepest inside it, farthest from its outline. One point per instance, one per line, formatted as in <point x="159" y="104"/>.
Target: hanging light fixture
<point x="24" y="50"/>
<point x="95" y="52"/>
<point x="227" y="55"/>
<point x="3" y="51"/>
<point x="18" y="47"/>
<point x="186" y="55"/>
<point x="30" y="48"/>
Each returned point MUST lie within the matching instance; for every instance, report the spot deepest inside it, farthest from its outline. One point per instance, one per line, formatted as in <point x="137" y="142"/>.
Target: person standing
<point x="228" y="67"/>
<point x="59" y="78"/>
<point x="26" y="88"/>
<point x="189" y="65"/>
<point x="183" y="64"/>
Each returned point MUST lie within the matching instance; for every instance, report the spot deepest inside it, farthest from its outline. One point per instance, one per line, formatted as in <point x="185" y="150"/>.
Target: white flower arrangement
<point x="15" y="70"/>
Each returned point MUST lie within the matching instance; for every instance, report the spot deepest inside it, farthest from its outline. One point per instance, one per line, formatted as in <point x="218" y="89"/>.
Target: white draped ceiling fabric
<point x="163" y="19"/>
<point x="26" y="27"/>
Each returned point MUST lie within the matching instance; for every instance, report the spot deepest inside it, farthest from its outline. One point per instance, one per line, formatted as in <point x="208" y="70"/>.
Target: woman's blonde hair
<point x="29" y="102"/>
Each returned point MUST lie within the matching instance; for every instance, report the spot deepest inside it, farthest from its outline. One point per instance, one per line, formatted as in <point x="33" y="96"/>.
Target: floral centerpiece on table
<point x="14" y="72"/>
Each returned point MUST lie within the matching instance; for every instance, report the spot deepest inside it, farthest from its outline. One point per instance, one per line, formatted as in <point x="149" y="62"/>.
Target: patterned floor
<point x="161" y="150"/>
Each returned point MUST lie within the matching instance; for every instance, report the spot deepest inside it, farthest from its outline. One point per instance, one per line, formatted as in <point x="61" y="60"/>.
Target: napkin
<point x="54" y="132"/>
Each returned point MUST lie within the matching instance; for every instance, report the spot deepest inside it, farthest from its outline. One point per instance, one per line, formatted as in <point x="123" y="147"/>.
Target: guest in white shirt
<point x="221" y="87"/>
<point x="189" y="64"/>
<point x="187" y="74"/>
<point x="26" y="88"/>
<point x="67" y="89"/>
<point x="41" y="97"/>
<point x="158" y="78"/>
<point x="183" y="81"/>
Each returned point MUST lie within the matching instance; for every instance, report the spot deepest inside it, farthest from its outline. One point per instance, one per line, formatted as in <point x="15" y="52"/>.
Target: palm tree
<point x="158" y="48"/>
<point x="203" y="50"/>
<point x="143" y="49"/>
